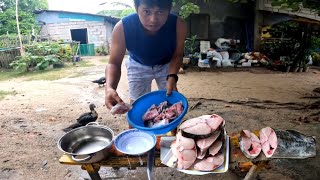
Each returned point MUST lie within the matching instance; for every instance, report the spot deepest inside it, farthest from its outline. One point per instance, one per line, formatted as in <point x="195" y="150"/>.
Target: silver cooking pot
<point x="87" y="144"/>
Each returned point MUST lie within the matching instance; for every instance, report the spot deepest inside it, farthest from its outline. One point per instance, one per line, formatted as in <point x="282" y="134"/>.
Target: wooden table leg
<point x="251" y="173"/>
<point x="92" y="171"/>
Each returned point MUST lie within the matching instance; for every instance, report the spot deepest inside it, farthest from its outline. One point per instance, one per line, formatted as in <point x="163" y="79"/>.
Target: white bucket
<point x="204" y="46"/>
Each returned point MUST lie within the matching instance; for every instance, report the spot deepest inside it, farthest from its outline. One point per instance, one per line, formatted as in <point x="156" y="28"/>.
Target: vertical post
<point x="18" y="28"/>
<point x="73" y="57"/>
<point x="257" y="26"/>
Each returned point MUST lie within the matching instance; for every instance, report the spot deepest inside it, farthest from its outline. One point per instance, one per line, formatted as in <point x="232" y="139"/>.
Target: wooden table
<point x="238" y="161"/>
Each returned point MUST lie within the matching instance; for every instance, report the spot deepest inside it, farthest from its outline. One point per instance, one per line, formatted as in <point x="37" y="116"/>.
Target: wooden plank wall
<point x="7" y="56"/>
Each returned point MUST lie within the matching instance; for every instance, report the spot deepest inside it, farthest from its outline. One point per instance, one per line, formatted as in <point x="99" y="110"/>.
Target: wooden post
<point x="257" y="27"/>
<point x="18" y="28"/>
<point x="251" y="173"/>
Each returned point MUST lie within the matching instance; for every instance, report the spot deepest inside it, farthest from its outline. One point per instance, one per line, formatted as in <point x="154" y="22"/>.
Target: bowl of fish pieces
<point x="157" y="113"/>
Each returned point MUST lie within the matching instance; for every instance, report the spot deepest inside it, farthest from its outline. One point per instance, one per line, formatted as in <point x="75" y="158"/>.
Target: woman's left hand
<point x="171" y="85"/>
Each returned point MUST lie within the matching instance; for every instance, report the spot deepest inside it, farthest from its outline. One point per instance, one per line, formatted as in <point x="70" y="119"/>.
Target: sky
<point x="87" y="6"/>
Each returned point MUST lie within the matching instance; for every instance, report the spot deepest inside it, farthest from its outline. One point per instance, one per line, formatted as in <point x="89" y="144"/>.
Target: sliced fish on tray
<point x="210" y="163"/>
<point x="197" y="144"/>
<point x="202" y="126"/>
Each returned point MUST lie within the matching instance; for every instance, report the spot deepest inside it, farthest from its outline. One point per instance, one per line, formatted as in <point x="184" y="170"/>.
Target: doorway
<point x="80" y="35"/>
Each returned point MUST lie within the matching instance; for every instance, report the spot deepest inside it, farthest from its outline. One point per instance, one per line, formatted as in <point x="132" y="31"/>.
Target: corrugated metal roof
<point x="108" y="18"/>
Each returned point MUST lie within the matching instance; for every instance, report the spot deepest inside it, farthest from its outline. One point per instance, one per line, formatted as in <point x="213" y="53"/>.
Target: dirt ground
<point x="31" y="120"/>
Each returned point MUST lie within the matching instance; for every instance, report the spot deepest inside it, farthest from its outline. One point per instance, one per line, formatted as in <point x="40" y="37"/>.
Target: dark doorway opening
<point x="79" y="35"/>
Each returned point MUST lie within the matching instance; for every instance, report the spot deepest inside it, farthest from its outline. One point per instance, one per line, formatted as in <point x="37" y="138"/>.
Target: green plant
<point x="286" y="61"/>
<point x="190" y="45"/>
<point x="316" y="59"/>
<point x="4" y="93"/>
<point x="29" y="62"/>
<point x="188" y="8"/>
<point x="27" y="18"/>
<point x="293" y="5"/>
<point x="41" y="55"/>
<point x="23" y="62"/>
<point x="102" y="50"/>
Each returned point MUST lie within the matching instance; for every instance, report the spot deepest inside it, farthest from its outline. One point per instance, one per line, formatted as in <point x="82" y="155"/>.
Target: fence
<point x="10" y="48"/>
<point x="7" y="55"/>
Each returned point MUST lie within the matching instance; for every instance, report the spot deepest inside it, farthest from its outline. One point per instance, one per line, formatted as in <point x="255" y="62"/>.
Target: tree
<point x="186" y="9"/>
<point x="294" y="5"/>
<point x="26" y="16"/>
<point x="127" y="9"/>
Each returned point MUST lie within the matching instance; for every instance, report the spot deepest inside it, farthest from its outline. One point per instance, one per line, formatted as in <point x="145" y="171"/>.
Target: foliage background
<point x="26" y="16"/>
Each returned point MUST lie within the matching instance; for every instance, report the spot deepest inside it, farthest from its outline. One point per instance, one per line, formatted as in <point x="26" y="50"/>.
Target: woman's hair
<point x="163" y="4"/>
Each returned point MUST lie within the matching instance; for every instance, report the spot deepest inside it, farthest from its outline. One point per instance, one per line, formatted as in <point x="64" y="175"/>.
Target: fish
<point x="185" y="157"/>
<point x="210" y="163"/>
<point x="185" y="143"/>
<point x="165" y="111"/>
<point x="120" y="108"/>
<point x="159" y="123"/>
<point x="295" y="145"/>
<point x="215" y="147"/>
<point x="249" y="144"/>
<point x="205" y="143"/>
<point x="268" y="140"/>
<point x="151" y="113"/>
<point x="201" y="126"/>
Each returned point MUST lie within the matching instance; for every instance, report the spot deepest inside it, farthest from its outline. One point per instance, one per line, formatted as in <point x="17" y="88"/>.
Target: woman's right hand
<point x="112" y="98"/>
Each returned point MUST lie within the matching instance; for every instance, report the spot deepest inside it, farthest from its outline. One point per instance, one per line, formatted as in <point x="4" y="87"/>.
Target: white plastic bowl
<point x="134" y="142"/>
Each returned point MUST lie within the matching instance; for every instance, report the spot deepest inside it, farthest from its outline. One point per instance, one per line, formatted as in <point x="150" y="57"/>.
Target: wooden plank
<point x="117" y="161"/>
<point x="7" y="56"/>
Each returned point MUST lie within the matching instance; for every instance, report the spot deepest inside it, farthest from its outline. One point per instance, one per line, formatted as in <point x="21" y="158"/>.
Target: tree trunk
<point x="18" y="29"/>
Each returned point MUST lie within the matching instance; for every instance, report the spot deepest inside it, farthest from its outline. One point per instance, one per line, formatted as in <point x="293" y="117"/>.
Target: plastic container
<point x="142" y="104"/>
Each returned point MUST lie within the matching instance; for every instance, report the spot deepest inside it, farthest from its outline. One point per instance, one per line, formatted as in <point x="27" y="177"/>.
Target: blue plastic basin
<point x="142" y="104"/>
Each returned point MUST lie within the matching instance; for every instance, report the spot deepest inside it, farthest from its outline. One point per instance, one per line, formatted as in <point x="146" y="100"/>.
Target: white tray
<point x="167" y="158"/>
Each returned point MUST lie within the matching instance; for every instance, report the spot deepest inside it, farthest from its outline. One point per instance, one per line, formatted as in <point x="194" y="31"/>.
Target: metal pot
<point x="87" y="144"/>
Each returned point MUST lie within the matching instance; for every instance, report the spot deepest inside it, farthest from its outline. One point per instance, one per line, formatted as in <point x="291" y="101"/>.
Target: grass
<point x="49" y="75"/>
<point x="104" y="60"/>
<point x="4" y="93"/>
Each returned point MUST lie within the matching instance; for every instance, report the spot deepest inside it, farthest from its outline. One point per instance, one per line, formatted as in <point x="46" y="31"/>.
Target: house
<point x="83" y="27"/>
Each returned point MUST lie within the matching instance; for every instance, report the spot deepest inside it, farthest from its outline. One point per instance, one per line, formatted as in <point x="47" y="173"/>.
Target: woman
<point x="155" y="40"/>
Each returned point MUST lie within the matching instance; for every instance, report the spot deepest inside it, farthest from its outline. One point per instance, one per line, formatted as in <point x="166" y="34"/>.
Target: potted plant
<point x="190" y="45"/>
<point x="194" y="58"/>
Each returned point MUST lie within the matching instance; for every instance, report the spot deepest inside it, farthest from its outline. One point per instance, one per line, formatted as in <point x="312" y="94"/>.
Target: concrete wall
<point x="226" y="19"/>
<point x="57" y="26"/>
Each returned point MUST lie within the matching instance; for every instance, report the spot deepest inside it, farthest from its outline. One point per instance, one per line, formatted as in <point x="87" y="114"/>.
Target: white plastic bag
<point x="226" y="63"/>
